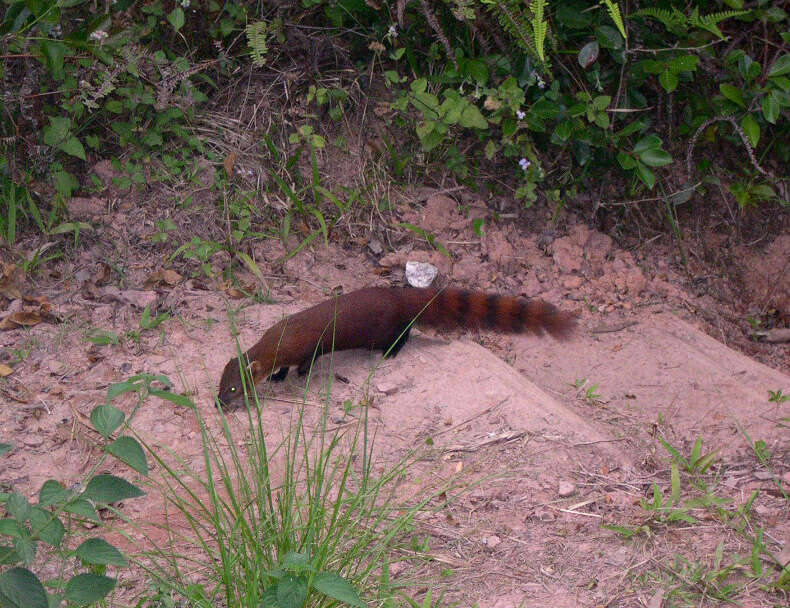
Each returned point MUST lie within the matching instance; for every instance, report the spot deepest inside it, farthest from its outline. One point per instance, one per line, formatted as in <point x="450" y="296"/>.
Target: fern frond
<point x="539" y="27"/>
<point x="615" y="16"/>
<point x="678" y="23"/>
<point x="522" y="26"/>
<point x="674" y="20"/>
<point x="257" y="39"/>
<point x="709" y="22"/>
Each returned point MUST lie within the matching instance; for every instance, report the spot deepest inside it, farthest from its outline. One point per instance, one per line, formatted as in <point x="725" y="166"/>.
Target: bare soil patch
<point x="556" y="439"/>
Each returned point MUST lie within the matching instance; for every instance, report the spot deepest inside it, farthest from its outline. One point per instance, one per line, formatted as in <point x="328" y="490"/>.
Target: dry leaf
<point x="44" y="305"/>
<point x="104" y="276"/>
<point x="21" y="318"/>
<point x="10" y="281"/>
<point x="5" y="370"/>
<point x="236" y="294"/>
<point x="29" y="315"/>
<point x="229" y="163"/>
<point x="163" y="277"/>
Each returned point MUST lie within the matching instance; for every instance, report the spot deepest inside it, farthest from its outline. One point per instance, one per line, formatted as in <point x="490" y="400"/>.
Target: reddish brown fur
<point x="380" y="318"/>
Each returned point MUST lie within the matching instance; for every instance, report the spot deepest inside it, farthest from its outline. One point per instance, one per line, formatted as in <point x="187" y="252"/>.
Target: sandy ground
<point x="564" y="434"/>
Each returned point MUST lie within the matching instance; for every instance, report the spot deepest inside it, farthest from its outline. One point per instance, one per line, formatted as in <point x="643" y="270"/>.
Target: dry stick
<point x="606" y="329"/>
<point x="430" y="17"/>
<point x="488" y="410"/>
<point x="749" y="150"/>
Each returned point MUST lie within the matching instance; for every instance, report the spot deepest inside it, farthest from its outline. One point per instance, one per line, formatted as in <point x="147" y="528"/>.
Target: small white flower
<point x="520" y="115"/>
<point x="185" y="3"/>
<point x="541" y="84"/>
<point x="392" y="32"/>
<point x="98" y="35"/>
<point x="524" y="163"/>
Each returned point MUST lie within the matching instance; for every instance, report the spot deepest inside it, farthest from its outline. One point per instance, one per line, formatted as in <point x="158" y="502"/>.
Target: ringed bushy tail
<point x="452" y="307"/>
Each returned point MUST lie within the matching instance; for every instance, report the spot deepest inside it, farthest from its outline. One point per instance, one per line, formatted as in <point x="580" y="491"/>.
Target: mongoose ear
<point x="255" y="369"/>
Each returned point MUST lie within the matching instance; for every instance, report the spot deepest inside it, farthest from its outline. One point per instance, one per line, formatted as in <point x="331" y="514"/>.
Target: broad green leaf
<point x="751" y="128"/>
<point x="451" y="109"/>
<point x="477" y="69"/>
<point x="732" y="93"/>
<point x="338" y="588"/>
<point x="120" y="388"/>
<point x="176" y="18"/>
<point x="26" y="548"/>
<point x="47" y="526"/>
<point x="684" y="63"/>
<point x="99" y="551"/>
<point x="646" y="175"/>
<point x="58" y="129"/>
<point x="85" y="589"/>
<point x="431" y="140"/>
<point x="509" y="127"/>
<point x="74" y="147"/>
<point x="11" y="527"/>
<point x="601" y="102"/>
<point x="296" y="563"/>
<point x="9" y="555"/>
<point x="269" y="598"/>
<point x="668" y="80"/>
<point x="20" y="588"/>
<point x="648" y="142"/>
<point x="106" y="418"/>
<point x="128" y="450"/>
<point x="291" y="592"/>
<point x="83" y="508"/>
<point x="780" y="67"/>
<point x="602" y="120"/>
<point x="107" y="489"/>
<point x="419" y="85"/>
<point x="426" y="102"/>
<point x="763" y="191"/>
<point x="771" y="108"/>
<point x="651" y="66"/>
<point x="564" y="130"/>
<point x="471" y="118"/>
<point x="655" y="157"/>
<point x="18" y="507"/>
<point x="608" y="37"/>
<point x="5" y="448"/>
<point x="626" y="161"/>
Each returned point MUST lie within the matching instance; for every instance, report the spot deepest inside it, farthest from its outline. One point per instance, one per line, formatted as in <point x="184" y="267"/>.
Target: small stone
<point x="375" y="246"/>
<point x="32" y="440"/>
<point x="545" y="515"/>
<point x="387" y="387"/>
<point x="566" y="488"/>
<point x="420" y="274"/>
<point x="491" y="541"/>
<point x="786" y="478"/>
<point x="572" y="282"/>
